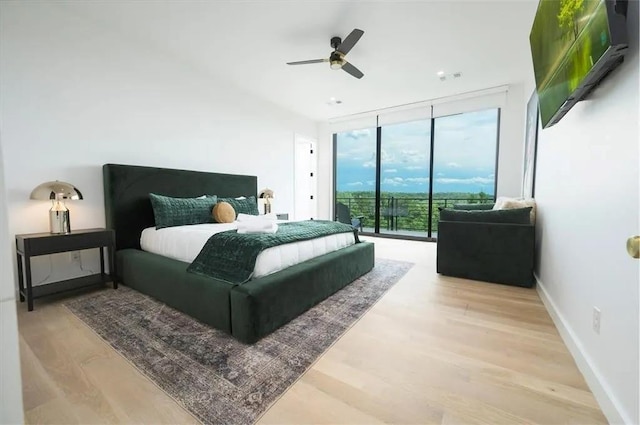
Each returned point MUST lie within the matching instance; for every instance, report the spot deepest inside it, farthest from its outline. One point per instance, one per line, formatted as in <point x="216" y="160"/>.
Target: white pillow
<point x="505" y="203"/>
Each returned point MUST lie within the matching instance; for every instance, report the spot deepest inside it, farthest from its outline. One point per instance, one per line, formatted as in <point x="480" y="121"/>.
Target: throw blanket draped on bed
<point x="231" y="256"/>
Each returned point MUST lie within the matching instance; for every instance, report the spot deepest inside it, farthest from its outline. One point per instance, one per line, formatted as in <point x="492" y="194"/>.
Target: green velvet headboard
<point x="126" y="194"/>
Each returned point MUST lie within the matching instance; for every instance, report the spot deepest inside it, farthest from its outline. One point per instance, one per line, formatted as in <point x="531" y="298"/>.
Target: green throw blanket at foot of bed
<point x="231" y="256"/>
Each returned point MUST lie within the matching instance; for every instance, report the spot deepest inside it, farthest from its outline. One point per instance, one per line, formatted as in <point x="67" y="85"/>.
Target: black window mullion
<point x="378" y="175"/>
<point x="430" y="194"/>
<point x="335" y="176"/>
<point x="495" y="173"/>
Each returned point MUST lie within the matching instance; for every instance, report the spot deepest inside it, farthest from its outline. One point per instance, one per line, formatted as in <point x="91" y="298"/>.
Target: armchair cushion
<point x="512" y="216"/>
<point x="474" y="207"/>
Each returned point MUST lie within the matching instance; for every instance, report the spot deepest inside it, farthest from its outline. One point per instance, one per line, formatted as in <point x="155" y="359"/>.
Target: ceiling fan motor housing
<point x="336" y="61"/>
<point x="335" y="42"/>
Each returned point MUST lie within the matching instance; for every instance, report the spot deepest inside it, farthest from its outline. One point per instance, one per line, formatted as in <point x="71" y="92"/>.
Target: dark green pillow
<point x="248" y="205"/>
<point x="510" y="216"/>
<point x="169" y="212"/>
<point x="473" y="207"/>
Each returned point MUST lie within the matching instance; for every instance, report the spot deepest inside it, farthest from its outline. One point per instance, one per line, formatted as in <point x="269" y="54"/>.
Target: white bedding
<point x="184" y="243"/>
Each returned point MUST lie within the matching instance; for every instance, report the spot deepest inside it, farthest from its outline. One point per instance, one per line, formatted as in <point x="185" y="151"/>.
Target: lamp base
<point x="59" y="221"/>
<point x="267" y="208"/>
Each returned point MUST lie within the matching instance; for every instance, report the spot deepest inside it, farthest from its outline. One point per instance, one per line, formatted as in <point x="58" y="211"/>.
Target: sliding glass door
<point x="355" y="177"/>
<point x="465" y="152"/>
<point x="394" y="178"/>
<point x="404" y="178"/>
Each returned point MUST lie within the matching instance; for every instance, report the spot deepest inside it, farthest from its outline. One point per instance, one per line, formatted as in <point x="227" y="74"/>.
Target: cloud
<point x="419" y="180"/>
<point x="471" y="180"/>
<point x="395" y="181"/>
<point x="371" y="182"/>
<point x="399" y="181"/>
<point x="415" y="167"/>
<point x="440" y="174"/>
<point x="357" y="134"/>
<point x="355" y="184"/>
<point x="453" y="165"/>
<point x="391" y="170"/>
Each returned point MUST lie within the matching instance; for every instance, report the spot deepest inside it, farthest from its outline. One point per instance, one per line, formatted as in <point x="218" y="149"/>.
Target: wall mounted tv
<point x="574" y="44"/>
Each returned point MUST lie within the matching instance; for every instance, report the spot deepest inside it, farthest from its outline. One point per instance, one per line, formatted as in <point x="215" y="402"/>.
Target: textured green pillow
<point x="248" y="205"/>
<point x="512" y="216"/>
<point x="473" y="207"/>
<point x="169" y="212"/>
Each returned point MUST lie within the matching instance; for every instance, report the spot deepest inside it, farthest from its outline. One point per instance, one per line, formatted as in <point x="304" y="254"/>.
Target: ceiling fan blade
<point x="309" y="61"/>
<point x="351" y="40"/>
<point x="352" y="70"/>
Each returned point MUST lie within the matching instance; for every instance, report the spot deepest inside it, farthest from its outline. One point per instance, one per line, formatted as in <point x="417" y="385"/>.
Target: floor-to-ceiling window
<point x="355" y="174"/>
<point x="404" y="178"/>
<point x="393" y="178"/>
<point x="465" y="160"/>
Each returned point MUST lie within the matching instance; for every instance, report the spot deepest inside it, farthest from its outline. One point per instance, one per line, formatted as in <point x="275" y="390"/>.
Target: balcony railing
<point x="400" y="215"/>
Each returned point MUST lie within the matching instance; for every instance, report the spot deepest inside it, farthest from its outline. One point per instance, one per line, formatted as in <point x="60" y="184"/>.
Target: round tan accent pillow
<point x="223" y="212"/>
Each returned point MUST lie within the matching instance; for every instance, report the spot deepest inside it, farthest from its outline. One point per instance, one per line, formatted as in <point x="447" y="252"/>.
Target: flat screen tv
<point x="574" y="44"/>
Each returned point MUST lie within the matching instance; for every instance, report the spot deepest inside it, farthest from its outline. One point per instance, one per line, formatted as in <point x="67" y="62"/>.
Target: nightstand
<point x="282" y="216"/>
<point x="34" y="244"/>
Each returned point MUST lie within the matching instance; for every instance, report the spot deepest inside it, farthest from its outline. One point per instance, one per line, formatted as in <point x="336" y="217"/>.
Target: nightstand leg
<point x="20" y="277"/>
<point x="27" y="268"/>
<point x="112" y="266"/>
<point x="102" y="260"/>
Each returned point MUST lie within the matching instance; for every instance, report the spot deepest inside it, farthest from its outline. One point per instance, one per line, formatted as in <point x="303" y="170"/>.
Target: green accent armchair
<point x="499" y="252"/>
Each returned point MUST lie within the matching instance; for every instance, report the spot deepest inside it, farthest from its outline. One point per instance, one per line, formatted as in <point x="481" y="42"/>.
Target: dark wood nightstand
<point x="34" y="244"/>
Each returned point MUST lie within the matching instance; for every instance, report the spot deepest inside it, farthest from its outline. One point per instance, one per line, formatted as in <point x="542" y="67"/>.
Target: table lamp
<point x="267" y="195"/>
<point x="58" y="192"/>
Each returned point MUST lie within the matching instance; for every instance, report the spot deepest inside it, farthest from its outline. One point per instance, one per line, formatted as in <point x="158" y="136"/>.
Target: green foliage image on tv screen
<point x="568" y="37"/>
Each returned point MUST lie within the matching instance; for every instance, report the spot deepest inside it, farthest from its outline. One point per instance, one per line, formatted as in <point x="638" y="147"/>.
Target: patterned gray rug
<point x="215" y="377"/>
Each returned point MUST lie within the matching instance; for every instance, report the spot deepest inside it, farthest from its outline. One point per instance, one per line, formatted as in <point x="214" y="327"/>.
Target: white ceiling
<point x="405" y="44"/>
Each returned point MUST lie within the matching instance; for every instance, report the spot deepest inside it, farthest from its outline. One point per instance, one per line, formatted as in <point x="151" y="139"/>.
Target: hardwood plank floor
<point x="434" y="350"/>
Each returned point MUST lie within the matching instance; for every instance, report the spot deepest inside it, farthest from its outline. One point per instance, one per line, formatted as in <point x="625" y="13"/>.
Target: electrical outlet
<point x="75" y="256"/>
<point x="596" y="320"/>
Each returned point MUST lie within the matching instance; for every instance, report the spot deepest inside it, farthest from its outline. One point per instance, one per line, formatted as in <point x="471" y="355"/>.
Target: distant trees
<point x="408" y="210"/>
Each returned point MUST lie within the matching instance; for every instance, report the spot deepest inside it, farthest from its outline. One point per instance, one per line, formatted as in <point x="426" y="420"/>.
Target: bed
<point x="246" y="311"/>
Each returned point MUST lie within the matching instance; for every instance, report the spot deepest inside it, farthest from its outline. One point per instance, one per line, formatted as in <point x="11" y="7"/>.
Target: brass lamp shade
<point x="57" y="192"/>
<point x="266" y="194"/>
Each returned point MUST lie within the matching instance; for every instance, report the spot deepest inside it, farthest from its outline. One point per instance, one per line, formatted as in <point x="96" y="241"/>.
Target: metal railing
<point x="407" y="215"/>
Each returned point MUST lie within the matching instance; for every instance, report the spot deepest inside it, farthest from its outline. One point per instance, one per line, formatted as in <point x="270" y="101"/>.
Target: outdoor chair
<point x="343" y="215"/>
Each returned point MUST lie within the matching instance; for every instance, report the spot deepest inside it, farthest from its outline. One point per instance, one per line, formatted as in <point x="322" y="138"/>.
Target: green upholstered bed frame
<point x="248" y="311"/>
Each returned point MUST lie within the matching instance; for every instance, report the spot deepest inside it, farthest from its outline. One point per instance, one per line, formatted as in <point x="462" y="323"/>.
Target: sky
<point x="464" y="155"/>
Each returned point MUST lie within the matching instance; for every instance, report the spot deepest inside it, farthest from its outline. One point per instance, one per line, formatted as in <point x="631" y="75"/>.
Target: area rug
<point x="215" y="377"/>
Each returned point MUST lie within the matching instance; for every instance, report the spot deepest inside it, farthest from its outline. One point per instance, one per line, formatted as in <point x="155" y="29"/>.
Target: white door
<point x="305" y="187"/>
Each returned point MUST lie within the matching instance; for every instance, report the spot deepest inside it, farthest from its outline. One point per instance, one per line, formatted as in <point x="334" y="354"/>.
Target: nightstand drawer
<point x="64" y="243"/>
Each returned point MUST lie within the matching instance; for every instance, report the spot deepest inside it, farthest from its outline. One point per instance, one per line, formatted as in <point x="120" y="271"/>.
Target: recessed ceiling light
<point x="457" y="74"/>
<point x="440" y="73"/>
<point x="334" y="101"/>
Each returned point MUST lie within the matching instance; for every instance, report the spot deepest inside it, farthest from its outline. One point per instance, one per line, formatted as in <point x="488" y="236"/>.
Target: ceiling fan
<point x="340" y="49"/>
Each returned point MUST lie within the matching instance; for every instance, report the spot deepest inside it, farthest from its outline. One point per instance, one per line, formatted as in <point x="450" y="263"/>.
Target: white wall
<point x="587" y="189"/>
<point x="10" y="380"/>
<point x="76" y="95"/>
<point x="510" y="154"/>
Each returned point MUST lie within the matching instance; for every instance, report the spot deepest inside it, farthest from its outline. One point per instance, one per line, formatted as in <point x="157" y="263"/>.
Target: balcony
<point x="403" y="216"/>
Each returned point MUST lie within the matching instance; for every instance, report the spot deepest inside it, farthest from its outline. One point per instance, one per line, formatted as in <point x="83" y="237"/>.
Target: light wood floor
<point x="434" y="350"/>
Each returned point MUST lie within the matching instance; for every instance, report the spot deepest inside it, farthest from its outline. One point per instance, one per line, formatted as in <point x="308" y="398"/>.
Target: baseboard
<point x="610" y="406"/>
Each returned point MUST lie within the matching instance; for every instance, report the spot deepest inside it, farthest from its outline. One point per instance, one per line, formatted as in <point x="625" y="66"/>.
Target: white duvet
<point x="184" y="243"/>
